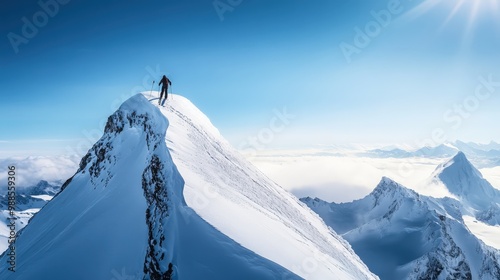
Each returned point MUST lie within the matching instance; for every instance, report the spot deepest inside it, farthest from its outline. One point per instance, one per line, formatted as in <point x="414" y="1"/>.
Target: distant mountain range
<point x="162" y="195"/>
<point x="29" y="200"/>
<point x="174" y="204"/>
<point x="400" y="234"/>
<point x="483" y="155"/>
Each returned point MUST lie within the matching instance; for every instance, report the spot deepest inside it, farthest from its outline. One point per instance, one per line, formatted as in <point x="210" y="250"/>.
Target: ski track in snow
<point x="219" y="180"/>
<point x="124" y="208"/>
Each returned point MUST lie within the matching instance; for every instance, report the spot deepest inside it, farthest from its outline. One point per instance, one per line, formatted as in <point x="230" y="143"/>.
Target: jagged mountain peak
<point x="462" y="179"/>
<point x="389" y="187"/>
<point x="386" y="182"/>
<point x="402" y="235"/>
<point x="460" y="159"/>
<point x="41" y="188"/>
<point x="136" y="121"/>
<point x="137" y="114"/>
<point x="236" y="223"/>
<point x="458" y="165"/>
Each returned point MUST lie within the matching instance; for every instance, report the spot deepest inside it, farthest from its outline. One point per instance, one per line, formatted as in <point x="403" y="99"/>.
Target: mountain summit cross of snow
<point x="127" y="209"/>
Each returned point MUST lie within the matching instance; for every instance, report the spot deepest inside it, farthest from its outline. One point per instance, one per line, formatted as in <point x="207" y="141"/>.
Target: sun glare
<point x="467" y="11"/>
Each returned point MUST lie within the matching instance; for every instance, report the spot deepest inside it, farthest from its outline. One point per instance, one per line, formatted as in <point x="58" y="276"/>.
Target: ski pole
<point x="151" y="91"/>
<point x="172" y="92"/>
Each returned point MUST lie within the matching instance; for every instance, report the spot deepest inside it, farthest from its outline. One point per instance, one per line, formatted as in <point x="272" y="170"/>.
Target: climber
<point x="164" y="89"/>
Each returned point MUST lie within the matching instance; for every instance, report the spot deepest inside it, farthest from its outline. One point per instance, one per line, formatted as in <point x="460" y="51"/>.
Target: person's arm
<point x="160" y="82"/>
<point x="169" y="82"/>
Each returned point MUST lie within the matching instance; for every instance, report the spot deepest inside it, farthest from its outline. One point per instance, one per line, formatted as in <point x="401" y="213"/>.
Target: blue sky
<point x="408" y="78"/>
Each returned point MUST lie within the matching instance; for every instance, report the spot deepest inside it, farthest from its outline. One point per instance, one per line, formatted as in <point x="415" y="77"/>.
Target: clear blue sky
<point x="241" y="64"/>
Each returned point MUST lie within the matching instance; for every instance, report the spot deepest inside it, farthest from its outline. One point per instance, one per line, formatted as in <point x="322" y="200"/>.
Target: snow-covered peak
<point x="457" y="167"/>
<point x="390" y="188"/>
<point x="137" y="113"/>
<point x="41" y="188"/>
<point x="126" y="202"/>
<point x="192" y="113"/>
<point x="467" y="184"/>
<point x="257" y="213"/>
<point x="402" y="235"/>
<point x="460" y="159"/>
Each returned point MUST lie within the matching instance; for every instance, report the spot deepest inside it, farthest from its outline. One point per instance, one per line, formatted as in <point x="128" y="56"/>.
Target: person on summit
<point x="164" y="89"/>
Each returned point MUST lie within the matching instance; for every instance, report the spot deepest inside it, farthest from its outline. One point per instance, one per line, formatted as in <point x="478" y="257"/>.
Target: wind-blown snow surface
<point x="465" y="182"/>
<point x="124" y="208"/>
<point x="237" y="199"/>
<point x="400" y="234"/>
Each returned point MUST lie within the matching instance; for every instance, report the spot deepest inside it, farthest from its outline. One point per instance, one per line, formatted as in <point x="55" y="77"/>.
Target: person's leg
<point x="161" y="94"/>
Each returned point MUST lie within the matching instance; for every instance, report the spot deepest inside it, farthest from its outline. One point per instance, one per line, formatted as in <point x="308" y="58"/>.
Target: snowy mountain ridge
<point x="200" y="154"/>
<point x="465" y="181"/>
<point x="400" y="234"/>
<point x="131" y="203"/>
<point x="483" y="155"/>
<point x="467" y="184"/>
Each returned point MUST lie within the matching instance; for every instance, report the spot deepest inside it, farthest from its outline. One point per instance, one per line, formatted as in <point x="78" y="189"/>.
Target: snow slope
<point x="466" y="183"/>
<point x="124" y="208"/>
<point x="400" y="234"/>
<point x="489" y="234"/>
<point x="237" y="199"/>
<point x="29" y="200"/>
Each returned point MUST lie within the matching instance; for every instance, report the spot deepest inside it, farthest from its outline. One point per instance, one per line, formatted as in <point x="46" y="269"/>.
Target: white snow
<point x="492" y="175"/>
<point x="43" y="197"/>
<point x="490" y="235"/>
<point x="249" y="227"/>
<point x="237" y="199"/>
<point x="403" y="235"/>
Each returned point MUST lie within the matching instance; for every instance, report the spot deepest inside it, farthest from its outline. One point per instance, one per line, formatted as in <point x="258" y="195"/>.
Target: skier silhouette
<point x="164" y="89"/>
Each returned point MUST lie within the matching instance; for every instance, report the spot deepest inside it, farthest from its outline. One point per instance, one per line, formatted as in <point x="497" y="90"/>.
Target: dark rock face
<point x="153" y="184"/>
<point x="97" y="162"/>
